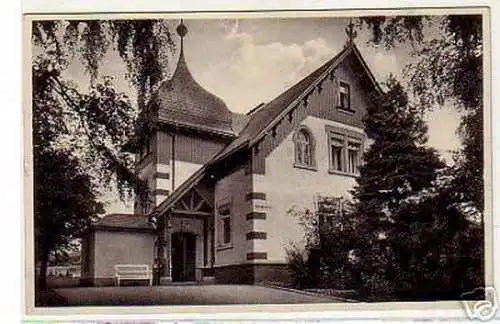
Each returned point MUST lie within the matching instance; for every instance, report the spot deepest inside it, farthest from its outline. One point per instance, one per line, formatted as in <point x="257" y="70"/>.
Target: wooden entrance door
<point x="183" y="256"/>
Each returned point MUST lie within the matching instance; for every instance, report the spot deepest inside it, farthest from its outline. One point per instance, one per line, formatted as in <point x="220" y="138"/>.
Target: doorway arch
<point x="183" y="256"/>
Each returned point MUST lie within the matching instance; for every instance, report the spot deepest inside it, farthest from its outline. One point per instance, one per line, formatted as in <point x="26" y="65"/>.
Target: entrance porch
<point x="184" y="250"/>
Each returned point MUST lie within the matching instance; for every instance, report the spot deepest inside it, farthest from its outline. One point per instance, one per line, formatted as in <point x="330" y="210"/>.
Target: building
<point x="221" y="184"/>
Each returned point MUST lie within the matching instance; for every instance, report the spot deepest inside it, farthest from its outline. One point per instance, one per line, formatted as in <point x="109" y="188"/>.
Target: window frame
<point x="226" y="229"/>
<point x="346" y="136"/>
<point x="340" y="104"/>
<point x="336" y="140"/>
<point x="224" y="209"/>
<point x="312" y="149"/>
<point x="358" y="143"/>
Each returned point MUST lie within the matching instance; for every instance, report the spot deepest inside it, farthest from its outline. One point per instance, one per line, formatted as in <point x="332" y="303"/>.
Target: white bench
<point x="133" y="272"/>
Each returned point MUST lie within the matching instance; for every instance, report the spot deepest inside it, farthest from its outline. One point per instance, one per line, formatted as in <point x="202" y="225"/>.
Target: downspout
<point x="173" y="162"/>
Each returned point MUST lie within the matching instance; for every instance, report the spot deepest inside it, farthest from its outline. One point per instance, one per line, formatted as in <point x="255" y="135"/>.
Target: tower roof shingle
<point x="182" y="100"/>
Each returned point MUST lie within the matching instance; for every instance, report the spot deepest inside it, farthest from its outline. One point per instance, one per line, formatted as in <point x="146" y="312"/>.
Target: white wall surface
<point x="113" y="248"/>
<point x="287" y="187"/>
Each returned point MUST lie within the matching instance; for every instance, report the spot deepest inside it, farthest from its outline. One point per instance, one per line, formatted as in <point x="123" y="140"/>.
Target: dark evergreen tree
<point x="398" y="168"/>
<point x="447" y="68"/>
<point x="438" y="249"/>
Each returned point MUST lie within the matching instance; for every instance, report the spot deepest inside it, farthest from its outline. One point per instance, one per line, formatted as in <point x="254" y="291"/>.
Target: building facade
<point x="221" y="185"/>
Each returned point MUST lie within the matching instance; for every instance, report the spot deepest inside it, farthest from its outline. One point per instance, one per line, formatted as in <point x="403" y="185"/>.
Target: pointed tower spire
<point x="351" y="32"/>
<point x="183" y="101"/>
<point x="182" y="31"/>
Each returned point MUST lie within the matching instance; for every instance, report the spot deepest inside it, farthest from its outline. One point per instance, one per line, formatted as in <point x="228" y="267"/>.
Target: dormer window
<point x="344" y="96"/>
<point x="304" y="149"/>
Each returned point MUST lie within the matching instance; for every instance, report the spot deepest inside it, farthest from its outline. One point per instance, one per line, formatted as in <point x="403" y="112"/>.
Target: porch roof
<point x="123" y="221"/>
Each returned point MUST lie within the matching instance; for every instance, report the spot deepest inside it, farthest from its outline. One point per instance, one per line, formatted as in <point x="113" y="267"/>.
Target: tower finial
<point x="182" y="31"/>
<point x="351" y="32"/>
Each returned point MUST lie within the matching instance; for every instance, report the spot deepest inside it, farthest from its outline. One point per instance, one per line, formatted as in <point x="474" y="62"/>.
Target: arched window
<point x="304" y="149"/>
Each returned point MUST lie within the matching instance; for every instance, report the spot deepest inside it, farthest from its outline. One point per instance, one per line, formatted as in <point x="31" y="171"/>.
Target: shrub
<point x="300" y="272"/>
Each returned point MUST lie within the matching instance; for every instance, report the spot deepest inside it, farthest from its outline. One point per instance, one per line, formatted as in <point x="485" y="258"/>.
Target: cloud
<point x="257" y="73"/>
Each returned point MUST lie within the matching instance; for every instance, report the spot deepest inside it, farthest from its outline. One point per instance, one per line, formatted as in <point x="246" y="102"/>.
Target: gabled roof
<point x="262" y="119"/>
<point x="266" y="116"/>
<point x="178" y="193"/>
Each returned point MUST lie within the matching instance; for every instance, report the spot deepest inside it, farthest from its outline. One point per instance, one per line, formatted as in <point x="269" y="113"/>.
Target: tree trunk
<point x="42" y="275"/>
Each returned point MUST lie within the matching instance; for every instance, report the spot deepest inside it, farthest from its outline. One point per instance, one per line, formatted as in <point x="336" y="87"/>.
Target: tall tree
<point x="65" y="204"/>
<point x="80" y="135"/>
<point x="438" y="250"/>
<point x="100" y="122"/>
<point x="447" y="69"/>
<point x="398" y="167"/>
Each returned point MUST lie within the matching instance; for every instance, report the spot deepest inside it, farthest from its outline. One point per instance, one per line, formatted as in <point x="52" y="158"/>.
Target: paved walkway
<point x="178" y="295"/>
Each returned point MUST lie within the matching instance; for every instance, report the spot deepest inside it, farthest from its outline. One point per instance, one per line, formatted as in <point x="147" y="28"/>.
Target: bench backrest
<point x="131" y="268"/>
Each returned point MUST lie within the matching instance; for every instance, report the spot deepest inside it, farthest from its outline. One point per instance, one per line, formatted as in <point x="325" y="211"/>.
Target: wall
<point x="189" y="151"/>
<point x="285" y="186"/>
<point x="113" y="247"/>
<point x="183" y="170"/>
<point x="234" y="188"/>
<point x="322" y="104"/>
<point x="288" y="187"/>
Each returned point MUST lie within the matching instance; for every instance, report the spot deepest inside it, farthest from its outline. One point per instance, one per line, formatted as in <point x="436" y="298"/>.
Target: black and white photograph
<point x="268" y="159"/>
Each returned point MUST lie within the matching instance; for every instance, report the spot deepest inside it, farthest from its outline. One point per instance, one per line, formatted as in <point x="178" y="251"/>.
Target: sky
<point x="249" y="61"/>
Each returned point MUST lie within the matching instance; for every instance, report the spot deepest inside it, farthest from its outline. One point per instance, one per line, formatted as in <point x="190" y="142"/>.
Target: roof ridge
<point x="255" y="109"/>
<point x="324" y="69"/>
<point x="228" y="149"/>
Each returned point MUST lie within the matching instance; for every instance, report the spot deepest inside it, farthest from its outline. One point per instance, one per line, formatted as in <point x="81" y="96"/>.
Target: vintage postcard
<point x="290" y="162"/>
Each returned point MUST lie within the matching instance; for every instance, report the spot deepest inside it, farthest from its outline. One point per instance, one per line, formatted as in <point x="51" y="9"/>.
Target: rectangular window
<point x="149" y="145"/>
<point x="224" y="224"/>
<point x="144" y="203"/>
<point x="345" y="150"/>
<point x="344" y="96"/>
<point x="226" y="230"/>
<point x="337" y="158"/>
<point x="337" y="148"/>
<point x="353" y="153"/>
<point x="146" y="147"/>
